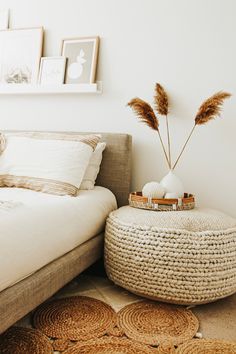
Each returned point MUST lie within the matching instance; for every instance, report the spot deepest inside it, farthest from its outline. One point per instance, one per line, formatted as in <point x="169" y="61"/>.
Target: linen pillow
<point x="93" y="168"/>
<point x="48" y="162"/>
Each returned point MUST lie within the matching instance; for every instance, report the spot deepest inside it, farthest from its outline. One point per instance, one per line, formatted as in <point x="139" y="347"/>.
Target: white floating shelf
<point x="24" y="89"/>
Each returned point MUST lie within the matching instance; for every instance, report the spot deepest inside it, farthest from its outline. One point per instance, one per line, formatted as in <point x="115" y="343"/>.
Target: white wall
<point x="186" y="45"/>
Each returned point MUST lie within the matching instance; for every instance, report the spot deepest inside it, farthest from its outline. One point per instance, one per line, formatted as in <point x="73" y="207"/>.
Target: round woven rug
<point x="206" y="346"/>
<point x="17" y="340"/>
<point x="74" y="318"/>
<point x="109" y="345"/>
<point x="166" y="348"/>
<point x="153" y="323"/>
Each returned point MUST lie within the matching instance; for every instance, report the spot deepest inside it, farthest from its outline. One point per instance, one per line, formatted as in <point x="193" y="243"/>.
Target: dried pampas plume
<point x="161" y="100"/>
<point x="209" y="109"/>
<point x="146" y="115"/>
<point x="144" y="112"/>
<point x="162" y="107"/>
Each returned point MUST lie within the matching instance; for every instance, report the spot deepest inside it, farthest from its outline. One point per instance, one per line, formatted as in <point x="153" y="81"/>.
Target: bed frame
<point x="19" y="299"/>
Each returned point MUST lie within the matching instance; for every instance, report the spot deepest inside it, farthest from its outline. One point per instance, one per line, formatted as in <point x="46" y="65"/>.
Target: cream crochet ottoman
<point x="183" y="257"/>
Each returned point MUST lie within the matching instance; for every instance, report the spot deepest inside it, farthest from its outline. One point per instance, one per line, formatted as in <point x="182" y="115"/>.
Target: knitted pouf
<point x="184" y="257"/>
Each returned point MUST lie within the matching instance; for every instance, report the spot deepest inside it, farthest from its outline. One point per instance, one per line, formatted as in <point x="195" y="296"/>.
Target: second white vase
<point x="173" y="185"/>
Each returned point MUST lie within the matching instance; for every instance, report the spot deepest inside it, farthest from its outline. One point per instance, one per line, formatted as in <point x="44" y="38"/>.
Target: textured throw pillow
<point x="93" y="168"/>
<point x="48" y="162"/>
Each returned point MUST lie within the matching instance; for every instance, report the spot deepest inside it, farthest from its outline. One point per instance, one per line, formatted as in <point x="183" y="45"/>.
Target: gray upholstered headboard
<point x="115" y="172"/>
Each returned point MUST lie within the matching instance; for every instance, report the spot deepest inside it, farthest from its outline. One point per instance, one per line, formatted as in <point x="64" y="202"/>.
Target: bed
<point x="42" y="265"/>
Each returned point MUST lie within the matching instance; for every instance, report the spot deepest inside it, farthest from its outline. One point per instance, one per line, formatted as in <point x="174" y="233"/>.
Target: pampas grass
<point x="161" y="100"/>
<point x="144" y="112"/>
<point x="161" y="103"/>
<point x="209" y="109"/>
<point x="146" y="115"/>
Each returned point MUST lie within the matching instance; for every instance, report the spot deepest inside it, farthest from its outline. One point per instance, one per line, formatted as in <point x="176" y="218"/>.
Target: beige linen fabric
<point x="114" y="174"/>
<point x="92" y="170"/>
<point x="50" y="163"/>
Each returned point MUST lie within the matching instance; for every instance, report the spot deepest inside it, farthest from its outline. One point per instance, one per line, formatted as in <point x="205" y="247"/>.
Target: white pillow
<point x="48" y="163"/>
<point x="93" y="168"/>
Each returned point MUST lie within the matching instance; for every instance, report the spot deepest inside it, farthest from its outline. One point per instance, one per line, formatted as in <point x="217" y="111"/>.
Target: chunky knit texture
<point x="185" y="257"/>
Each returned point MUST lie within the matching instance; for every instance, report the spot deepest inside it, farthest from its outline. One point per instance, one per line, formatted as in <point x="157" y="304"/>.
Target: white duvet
<point x="36" y="228"/>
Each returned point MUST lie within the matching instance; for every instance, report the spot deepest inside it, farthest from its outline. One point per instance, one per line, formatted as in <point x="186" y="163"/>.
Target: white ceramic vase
<point x="173" y="185"/>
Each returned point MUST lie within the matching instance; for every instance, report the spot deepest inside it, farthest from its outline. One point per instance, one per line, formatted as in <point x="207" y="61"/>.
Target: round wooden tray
<point x="137" y="200"/>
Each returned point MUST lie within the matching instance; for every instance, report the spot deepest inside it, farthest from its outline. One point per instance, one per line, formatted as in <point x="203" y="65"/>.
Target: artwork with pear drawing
<point x="81" y="54"/>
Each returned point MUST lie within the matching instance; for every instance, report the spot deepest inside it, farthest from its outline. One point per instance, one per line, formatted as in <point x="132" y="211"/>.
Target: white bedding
<point x="36" y="228"/>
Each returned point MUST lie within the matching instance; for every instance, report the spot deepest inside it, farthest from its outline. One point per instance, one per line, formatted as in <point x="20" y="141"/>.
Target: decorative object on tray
<point x="153" y="190"/>
<point x="52" y="70"/>
<point x="209" y="110"/>
<point x="138" y="200"/>
<point x="20" y="53"/>
<point x="82" y="54"/>
<point x="173" y="186"/>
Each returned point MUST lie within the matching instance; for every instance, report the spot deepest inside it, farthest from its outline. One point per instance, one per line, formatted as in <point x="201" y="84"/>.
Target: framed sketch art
<point x="81" y="54"/>
<point x="52" y="71"/>
<point x="20" y="53"/>
<point x="4" y="19"/>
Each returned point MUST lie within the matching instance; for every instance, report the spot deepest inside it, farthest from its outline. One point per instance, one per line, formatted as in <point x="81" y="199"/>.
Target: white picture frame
<point x="4" y="19"/>
<point x="20" y="54"/>
<point x="82" y="55"/>
<point x="52" y="70"/>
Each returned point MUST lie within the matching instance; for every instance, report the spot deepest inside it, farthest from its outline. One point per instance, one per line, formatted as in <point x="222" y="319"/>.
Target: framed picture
<point x="52" y="71"/>
<point x="20" y="53"/>
<point x="4" y="19"/>
<point x="81" y="54"/>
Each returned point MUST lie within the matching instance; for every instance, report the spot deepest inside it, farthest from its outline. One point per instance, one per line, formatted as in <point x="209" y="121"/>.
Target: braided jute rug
<point x="17" y="340"/>
<point x="153" y="323"/>
<point x="83" y="318"/>
<point x="83" y="325"/>
<point x="75" y="318"/>
<point x="166" y="348"/>
<point x="110" y="345"/>
<point x="206" y="346"/>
